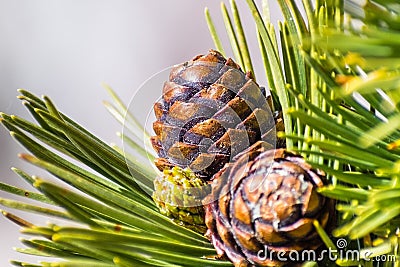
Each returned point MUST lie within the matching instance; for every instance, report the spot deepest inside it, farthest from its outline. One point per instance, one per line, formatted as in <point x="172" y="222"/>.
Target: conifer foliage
<point x="332" y="71"/>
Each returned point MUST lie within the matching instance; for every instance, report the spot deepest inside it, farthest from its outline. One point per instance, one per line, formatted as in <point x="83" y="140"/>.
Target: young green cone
<point x="178" y="194"/>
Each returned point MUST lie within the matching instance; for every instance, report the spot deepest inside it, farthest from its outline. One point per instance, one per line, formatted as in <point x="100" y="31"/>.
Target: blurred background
<point x="65" y="49"/>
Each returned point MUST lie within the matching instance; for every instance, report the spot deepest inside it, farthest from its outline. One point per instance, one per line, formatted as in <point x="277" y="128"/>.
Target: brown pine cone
<point x="209" y="112"/>
<point x="264" y="204"/>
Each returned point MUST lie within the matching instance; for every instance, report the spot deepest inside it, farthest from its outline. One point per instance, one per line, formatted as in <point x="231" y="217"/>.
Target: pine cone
<point x="265" y="203"/>
<point x="178" y="194"/>
<point x="209" y="112"/>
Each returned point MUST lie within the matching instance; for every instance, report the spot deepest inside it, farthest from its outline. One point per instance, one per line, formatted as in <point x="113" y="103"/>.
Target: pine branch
<point x="109" y="201"/>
